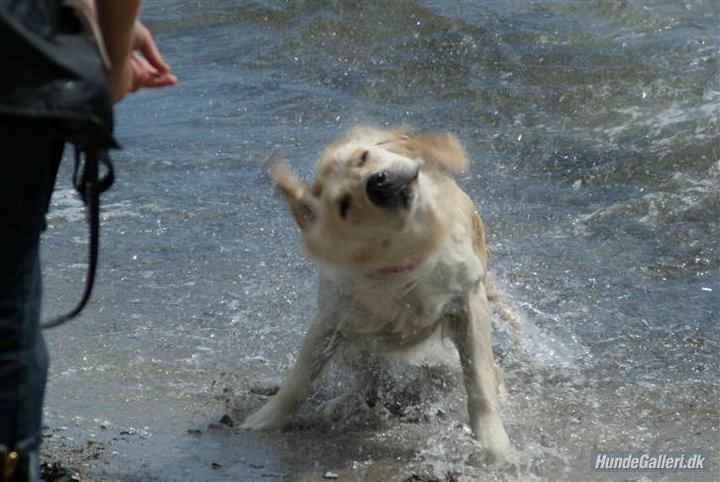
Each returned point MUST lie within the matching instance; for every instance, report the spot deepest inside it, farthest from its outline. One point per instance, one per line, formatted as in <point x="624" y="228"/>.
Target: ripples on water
<point x="595" y="133"/>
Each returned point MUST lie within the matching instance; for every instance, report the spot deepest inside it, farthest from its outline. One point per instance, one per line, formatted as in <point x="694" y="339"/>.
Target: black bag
<point x="55" y="71"/>
<point x="52" y="72"/>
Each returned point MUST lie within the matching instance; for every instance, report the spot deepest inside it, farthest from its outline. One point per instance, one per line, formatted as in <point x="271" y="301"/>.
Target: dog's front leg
<point x="472" y="334"/>
<point x="319" y="345"/>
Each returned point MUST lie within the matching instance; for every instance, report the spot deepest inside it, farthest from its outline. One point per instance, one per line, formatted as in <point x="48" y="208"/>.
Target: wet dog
<point x="401" y="257"/>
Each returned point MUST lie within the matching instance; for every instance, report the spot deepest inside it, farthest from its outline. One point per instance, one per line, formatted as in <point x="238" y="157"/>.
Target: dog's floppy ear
<point x="293" y="190"/>
<point x="440" y="148"/>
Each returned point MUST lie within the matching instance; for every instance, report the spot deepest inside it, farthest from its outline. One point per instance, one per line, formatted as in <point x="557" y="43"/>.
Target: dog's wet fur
<point x="401" y="257"/>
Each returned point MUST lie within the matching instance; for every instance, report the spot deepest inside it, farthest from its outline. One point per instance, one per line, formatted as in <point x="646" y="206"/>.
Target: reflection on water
<point x="595" y="133"/>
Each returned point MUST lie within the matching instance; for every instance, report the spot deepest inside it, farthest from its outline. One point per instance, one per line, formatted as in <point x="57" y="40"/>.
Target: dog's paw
<point x="503" y="456"/>
<point x="271" y="416"/>
<point x="498" y="449"/>
<point x="505" y="460"/>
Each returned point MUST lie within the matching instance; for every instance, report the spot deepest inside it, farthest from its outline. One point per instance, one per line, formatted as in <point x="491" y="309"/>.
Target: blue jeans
<point x="28" y="162"/>
<point x="23" y="355"/>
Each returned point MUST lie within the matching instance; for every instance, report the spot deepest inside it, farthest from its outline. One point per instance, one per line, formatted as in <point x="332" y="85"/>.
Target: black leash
<point x="89" y="184"/>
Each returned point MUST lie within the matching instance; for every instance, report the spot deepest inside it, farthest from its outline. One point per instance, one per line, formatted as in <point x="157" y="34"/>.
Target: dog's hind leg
<point x="319" y="345"/>
<point x="374" y="378"/>
<point x="471" y="330"/>
<point x="371" y="376"/>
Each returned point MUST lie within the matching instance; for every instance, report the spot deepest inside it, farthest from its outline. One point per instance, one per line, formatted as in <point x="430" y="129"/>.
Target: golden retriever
<point x="401" y="257"/>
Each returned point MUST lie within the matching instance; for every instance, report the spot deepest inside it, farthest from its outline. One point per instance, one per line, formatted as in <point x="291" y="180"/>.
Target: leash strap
<point x="89" y="184"/>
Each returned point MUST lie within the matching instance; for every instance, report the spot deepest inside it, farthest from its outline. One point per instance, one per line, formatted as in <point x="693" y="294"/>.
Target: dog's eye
<point x="344" y="206"/>
<point x="363" y="159"/>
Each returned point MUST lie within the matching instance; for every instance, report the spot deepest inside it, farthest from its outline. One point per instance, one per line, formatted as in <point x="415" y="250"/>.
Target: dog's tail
<point x="503" y="307"/>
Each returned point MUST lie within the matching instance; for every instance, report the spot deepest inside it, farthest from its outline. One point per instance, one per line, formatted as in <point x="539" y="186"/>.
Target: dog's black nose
<point x="378" y="181"/>
<point x="390" y="190"/>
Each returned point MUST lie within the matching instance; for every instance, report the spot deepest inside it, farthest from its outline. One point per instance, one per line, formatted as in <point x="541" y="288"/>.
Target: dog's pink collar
<point x="395" y="269"/>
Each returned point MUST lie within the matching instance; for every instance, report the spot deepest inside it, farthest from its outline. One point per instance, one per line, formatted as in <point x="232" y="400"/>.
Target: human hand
<point x="144" y="67"/>
<point x="149" y="68"/>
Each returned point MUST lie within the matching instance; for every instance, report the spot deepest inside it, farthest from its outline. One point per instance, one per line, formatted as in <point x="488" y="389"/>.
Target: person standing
<point x="56" y="86"/>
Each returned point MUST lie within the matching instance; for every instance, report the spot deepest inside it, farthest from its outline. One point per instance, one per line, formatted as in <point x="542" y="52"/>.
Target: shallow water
<point x="594" y="129"/>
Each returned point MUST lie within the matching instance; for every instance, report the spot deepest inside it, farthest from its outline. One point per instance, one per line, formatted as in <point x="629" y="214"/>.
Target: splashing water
<point x="594" y="129"/>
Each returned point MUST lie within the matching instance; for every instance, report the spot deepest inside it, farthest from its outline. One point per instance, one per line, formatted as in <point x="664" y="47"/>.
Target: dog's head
<point x="368" y="205"/>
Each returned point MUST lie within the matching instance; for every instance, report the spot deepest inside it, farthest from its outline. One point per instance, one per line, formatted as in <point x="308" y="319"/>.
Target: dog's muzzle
<point x="392" y="189"/>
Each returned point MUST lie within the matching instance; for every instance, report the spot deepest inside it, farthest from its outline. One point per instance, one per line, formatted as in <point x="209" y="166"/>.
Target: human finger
<point x="145" y="44"/>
